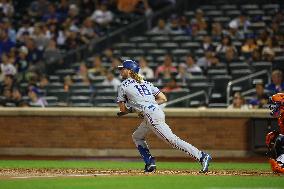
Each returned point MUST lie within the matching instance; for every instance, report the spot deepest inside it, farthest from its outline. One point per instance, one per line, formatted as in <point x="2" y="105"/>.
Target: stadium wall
<point x="97" y="132"/>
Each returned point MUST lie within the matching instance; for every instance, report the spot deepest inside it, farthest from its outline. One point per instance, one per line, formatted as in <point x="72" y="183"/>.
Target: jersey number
<point x="143" y="90"/>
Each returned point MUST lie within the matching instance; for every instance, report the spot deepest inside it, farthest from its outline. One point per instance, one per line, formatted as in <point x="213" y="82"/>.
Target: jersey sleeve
<point x="155" y="91"/>
<point x="121" y="97"/>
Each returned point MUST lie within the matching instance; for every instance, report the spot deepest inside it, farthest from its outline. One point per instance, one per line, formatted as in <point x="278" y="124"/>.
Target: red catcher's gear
<point x="278" y="109"/>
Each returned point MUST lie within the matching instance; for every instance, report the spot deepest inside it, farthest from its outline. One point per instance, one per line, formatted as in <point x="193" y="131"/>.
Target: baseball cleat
<point x="205" y="159"/>
<point x="151" y="167"/>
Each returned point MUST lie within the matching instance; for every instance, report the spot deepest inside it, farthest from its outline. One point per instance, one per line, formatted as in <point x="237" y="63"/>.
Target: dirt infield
<point x="42" y="173"/>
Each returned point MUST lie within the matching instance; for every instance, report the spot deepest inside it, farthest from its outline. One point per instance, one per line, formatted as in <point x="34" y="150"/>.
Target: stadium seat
<point x="79" y="99"/>
<point x="177" y="94"/>
<point x="61" y="95"/>
<point x="51" y="101"/>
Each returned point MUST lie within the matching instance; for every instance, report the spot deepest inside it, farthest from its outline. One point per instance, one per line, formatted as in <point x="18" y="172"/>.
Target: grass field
<point x="139" y="181"/>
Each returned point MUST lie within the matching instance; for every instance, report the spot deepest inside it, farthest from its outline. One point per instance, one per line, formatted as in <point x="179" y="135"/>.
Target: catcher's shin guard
<point x="276" y="168"/>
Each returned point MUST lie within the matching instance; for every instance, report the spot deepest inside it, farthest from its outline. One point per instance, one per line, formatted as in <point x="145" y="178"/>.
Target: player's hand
<point x="119" y="114"/>
<point x="140" y="115"/>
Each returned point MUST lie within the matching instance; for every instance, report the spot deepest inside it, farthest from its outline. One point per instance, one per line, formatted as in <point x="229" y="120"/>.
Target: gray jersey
<point x="141" y="97"/>
<point x="137" y="95"/>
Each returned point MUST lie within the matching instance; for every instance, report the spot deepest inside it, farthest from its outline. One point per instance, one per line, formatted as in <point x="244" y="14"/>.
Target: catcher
<point x="275" y="140"/>
<point x="275" y="144"/>
<point x="277" y="109"/>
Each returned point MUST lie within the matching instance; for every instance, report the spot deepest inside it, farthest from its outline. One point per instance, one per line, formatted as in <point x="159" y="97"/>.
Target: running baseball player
<point x="137" y="95"/>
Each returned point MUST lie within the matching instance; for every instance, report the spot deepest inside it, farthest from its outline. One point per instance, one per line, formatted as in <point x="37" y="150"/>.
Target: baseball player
<point x="277" y="109"/>
<point x="137" y="95"/>
<point x="275" y="144"/>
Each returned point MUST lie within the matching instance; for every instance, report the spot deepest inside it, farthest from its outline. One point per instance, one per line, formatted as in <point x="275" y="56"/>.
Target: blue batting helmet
<point x="130" y="65"/>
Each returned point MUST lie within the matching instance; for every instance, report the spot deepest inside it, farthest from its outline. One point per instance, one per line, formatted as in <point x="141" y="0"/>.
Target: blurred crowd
<point x="32" y="43"/>
<point x="31" y="46"/>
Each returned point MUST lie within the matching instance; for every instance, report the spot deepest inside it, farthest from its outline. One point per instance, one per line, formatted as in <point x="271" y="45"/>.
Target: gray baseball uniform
<point x="141" y="97"/>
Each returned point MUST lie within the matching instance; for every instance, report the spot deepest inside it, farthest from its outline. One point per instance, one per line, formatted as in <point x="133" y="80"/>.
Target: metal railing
<point x="259" y="73"/>
<point x="189" y="96"/>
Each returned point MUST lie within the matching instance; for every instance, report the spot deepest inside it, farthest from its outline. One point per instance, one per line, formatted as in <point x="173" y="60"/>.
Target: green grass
<point x="140" y="182"/>
<point x="147" y="182"/>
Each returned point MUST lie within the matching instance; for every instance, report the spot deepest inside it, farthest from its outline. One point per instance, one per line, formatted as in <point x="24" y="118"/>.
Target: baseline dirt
<point x="38" y="173"/>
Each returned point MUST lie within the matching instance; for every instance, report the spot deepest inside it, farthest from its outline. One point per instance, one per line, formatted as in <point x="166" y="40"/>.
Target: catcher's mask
<point x="270" y="138"/>
<point x="276" y="104"/>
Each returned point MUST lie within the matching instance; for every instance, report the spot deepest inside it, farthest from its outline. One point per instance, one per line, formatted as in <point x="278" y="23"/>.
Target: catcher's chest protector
<point x="281" y="122"/>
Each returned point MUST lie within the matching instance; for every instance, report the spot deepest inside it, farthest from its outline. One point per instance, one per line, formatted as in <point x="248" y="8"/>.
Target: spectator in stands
<point x="34" y="54"/>
<point x="183" y="74"/>
<point x="208" y="60"/>
<point x="73" y="39"/>
<point x="111" y="81"/>
<point x="238" y="102"/>
<point x="234" y="32"/>
<point x="262" y="39"/>
<point x="52" y="57"/>
<point x="108" y="55"/>
<point x="51" y="16"/>
<point x="199" y="20"/>
<point x="192" y="67"/>
<point x="16" y="98"/>
<point x="145" y="70"/>
<point x="86" y="7"/>
<point x="207" y="43"/>
<point x="229" y="58"/>
<point x="226" y="43"/>
<point x="241" y="22"/>
<point x="268" y="53"/>
<point x="102" y="15"/>
<point x="83" y="74"/>
<point x="7" y="67"/>
<point x="255" y="56"/>
<point x="9" y="83"/>
<point x="7" y="8"/>
<point x="136" y="6"/>
<point x="248" y="47"/>
<point x="22" y="63"/>
<point x="114" y="63"/>
<point x="7" y="26"/>
<point x="97" y="68"/>
<point x="174" y="26"/>
<point x="185" y="26"/>
<point x="26" y="28"/>
<point x="35" y="98"/>
<point x="41" y="38"/>
<point x="260" y="99"/>
<point x="127" y="6"/>
<point x="277" y="84"/>
<point x="166" y="70"/>
<point x="63" y="9"/>
<point x="43" y="82"/>
<point x="217" y="31"/>
<point x="73" y="19"/>
<point x="5" y="43"/>
<point x="68" y="82"/>
<point x="171" y="86"/>
<point x="87" y="31"/>
<point x="38" y="8"/>
<point x="161" y="27"/>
